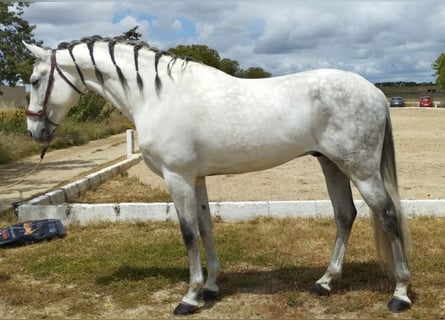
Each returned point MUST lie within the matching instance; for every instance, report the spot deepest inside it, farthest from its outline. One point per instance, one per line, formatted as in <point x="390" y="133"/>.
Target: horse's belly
<point x="247" y="160"/>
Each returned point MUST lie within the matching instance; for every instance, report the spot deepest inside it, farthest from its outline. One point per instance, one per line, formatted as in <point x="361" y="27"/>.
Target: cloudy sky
<point x="383" y="41"/>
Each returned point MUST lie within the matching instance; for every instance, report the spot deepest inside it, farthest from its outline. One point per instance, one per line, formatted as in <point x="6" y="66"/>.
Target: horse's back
<point x="245" y="125"/>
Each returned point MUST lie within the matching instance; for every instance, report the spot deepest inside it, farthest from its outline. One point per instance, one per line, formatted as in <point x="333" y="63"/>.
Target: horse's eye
<point x="35" y="82"/>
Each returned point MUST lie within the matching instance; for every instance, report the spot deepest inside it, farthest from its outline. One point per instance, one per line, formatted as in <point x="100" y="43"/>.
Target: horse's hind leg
<point x="210" y="289"/>
<point x="391" y="235"/>
<point x="339" y="190"/>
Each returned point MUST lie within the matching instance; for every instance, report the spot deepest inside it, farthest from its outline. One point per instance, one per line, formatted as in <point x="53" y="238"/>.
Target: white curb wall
<point x="226" y="211"/>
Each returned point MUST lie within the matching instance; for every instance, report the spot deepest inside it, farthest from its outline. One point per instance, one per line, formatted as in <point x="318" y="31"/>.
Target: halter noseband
<point x="42" y="114"/>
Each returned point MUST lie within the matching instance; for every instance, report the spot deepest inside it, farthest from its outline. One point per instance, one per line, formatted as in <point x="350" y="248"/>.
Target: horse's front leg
<point x="182" y="192"/>
<point x="210" y="290"/>
<point x="339" y="190"/>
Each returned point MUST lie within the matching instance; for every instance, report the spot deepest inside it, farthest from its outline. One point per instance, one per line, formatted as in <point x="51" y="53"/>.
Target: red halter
<point x="42" y="114"/>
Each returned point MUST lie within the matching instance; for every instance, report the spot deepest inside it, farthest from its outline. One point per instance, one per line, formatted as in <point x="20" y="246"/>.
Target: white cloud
<point x="303" y="29"/>
<point x="176" y="25"/>
<point x="61" y="14"/>
<point x="381" y="40"/>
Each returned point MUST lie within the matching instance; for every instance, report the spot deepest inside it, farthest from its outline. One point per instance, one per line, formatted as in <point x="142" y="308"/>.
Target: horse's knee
<point x="345" y="218"/>
<point x="188" y="235"/>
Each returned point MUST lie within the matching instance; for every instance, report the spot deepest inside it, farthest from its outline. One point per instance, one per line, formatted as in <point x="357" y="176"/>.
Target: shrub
<point x="90" y="107"/>
<point x="15" y="144"/>
<point x="12" y="120"/>
<point x="5" y="153"/>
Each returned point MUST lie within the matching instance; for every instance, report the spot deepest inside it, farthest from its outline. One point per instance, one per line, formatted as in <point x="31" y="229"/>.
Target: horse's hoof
<point x="184" y="309"/>
<point x="208" y="295"/>
<point x="318" y="290"/>
<point x="398" y="305"/>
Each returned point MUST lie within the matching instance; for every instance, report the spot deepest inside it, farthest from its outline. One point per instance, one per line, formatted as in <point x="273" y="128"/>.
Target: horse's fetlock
<point x="197" y="283"/>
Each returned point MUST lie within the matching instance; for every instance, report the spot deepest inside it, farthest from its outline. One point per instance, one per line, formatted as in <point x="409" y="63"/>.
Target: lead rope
<point x="42" y="155"/>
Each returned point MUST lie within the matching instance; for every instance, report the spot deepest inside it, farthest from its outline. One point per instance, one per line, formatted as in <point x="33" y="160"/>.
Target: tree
<point x="211" y="58"/>
<point x="230" y="66"/>
<point x="132" y="34"/>
<point x="439" y="70"/>
<point x="199" y="53"/>
<point x="254" y="73"/>
<point x="15" y="60"/>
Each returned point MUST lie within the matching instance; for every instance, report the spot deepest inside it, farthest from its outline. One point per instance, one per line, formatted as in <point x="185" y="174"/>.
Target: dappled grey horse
<point x="194" y="121"/>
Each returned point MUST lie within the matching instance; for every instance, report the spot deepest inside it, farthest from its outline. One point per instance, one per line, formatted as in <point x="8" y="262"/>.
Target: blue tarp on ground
<point x="32" y="231"/>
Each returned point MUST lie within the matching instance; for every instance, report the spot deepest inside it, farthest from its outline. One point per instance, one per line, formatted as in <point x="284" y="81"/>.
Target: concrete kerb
<point x="226" y="211"/>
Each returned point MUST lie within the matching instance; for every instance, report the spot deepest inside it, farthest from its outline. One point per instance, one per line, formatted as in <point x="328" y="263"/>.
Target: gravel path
<point x="57" y="167"/>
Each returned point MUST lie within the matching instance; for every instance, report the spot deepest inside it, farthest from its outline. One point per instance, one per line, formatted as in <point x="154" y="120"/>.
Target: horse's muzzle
<point x="45" y="135"/>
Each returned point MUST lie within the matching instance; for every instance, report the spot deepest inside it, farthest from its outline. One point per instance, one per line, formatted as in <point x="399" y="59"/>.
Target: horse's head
<point x="52" y="94"/>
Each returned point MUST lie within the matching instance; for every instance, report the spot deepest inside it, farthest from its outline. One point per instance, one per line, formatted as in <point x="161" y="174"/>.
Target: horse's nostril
<point x="30" y="133"/>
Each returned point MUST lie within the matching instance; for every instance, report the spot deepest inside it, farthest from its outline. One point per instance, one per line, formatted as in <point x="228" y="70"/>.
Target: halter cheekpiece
<point x="42" y="114"/>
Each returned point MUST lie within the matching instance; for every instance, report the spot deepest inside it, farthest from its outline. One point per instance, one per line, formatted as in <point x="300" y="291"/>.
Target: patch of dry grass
<point x="124" y="189"/>
<point x="140" y="271"/>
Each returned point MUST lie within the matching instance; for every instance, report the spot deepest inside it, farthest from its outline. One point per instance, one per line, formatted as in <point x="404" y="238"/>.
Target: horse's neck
<point x="125" y="96"/>
<point x="160" y="75"/>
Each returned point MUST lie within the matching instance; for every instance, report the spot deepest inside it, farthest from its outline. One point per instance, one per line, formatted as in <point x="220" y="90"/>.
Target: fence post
<point x="130" y="143"/>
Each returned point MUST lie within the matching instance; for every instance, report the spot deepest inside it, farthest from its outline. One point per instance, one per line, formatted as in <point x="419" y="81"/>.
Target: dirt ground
<point x="57" y="166"/>
<point x="419" y="137"/>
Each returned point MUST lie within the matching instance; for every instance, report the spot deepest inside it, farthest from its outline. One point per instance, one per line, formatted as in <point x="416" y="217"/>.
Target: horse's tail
<point x="389" y="175"/>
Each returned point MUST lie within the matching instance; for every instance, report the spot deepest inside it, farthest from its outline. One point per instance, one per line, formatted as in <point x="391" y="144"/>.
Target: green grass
<point x="268" y="268"/>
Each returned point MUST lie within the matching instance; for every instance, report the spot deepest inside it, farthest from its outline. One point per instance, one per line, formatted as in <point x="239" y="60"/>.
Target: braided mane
<point x="137" y="46"/>
<point x="117" y="40"/>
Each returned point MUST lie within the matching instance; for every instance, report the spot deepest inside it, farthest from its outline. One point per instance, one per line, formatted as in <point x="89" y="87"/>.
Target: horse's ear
<point x="38" y="52"/>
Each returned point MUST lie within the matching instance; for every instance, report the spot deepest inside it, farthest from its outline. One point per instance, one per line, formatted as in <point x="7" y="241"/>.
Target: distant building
<point x="13" y="97"/>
